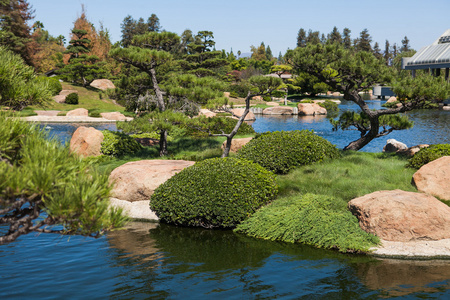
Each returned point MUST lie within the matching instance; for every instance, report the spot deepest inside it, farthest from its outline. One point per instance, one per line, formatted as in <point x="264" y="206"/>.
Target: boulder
<point x="311" y="109"/>
<point x="207" y="113"/>
<point x="394" y="146"/>
<point x="260" y="98"/>
<point x="446" y="107"/>
<point x="392" y="99"/>
<point x="79" y="112"/>
<point x="272" y="103"/>
<point x="86" y="141"/>
<point x="137" y="180"/>
<point x="336" y="94"/>
<point x="117" y="116"/>
<point x="236" y="144"/>
<point x="239" y="111"/>
<point x="411" y="151"/>
<point x="402" y="216"/>
<point x="434" y="178"/>
<point x="139" y="210"/>
<point x="102" y="84"/>
<point x="279" y="110"/>
<point x="61" y="98"/>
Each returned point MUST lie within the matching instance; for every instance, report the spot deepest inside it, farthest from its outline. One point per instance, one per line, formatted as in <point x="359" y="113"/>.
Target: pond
<point x="148" y="260"/>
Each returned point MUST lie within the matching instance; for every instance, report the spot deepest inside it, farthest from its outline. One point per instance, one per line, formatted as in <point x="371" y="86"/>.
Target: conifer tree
<point x="346" y="39"/>
<point x="301" y="38"/>
<point x="387" y="53"/>
<point x="335" y="36"/>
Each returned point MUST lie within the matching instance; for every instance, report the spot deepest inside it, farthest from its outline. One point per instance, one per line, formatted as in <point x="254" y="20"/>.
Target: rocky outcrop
<point x="392" y="99"/>
<point x="393" y="145"/>
<point x="102" y="84"/>
<point x="137" y="180"/>
<point x="402" y="216"/>
<point x="207" y="113"/>
<point x="279" y="110"/>
<point x="411" y="151"/>
<point x="239" y="111"/>
<point x="61" y="98"/>
<point x="79" y="112"/>
<point x="236" y="144"/>
<point x="86" y="141"/>
<point x="310" y="109"/>
<point x="434" y="178"/>
<point x="117" y="116"/>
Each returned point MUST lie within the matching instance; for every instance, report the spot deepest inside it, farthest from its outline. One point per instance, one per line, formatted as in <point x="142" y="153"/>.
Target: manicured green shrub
<point x="217" y="192"/>
<point x="425" y="155"/>
<point x="317" y="220"/>
<point x="281" y="151"/>
<point x="117" y="144"/>
<point x="331" y="107"/>
<point x="72" y="98"/>
<point x="94" y="113"/>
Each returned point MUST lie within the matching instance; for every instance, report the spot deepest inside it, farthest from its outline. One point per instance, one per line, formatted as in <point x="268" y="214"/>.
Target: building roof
<point x="434" y="56"/>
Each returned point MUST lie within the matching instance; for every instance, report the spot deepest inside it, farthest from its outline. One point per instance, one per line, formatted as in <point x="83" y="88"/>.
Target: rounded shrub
<point x="217" y="192"/>
<point x="426" y="155"/>
<point x="117" y="144"/>
<point x="281" y="151"/>
<point x="72" y="98"/>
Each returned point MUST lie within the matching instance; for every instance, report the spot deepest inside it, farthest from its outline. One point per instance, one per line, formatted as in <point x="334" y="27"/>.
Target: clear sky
<point x="239" y="24"/>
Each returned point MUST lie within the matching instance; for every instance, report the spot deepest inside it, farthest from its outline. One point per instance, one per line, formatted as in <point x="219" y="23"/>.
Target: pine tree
<point x="313" y="37"/>
<point x="269" y="54"/>
<point x="377" y="51"/>
<point x="405" y="45"/>
<point x="335" y="36"/>
<point x="363" y="43"/>
<point x="301" y="38"/>
<point x="346" y="39"/>
<point x="387" y="53"/>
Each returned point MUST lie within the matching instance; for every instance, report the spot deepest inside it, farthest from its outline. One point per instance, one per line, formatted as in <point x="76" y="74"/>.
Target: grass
<point x="354" y="175"/>
<point x="88" y="98"/>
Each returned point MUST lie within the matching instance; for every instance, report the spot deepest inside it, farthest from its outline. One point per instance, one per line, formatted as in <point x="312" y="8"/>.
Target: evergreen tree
<point x="127" y="30"/>
<point x="313" y="37"/>
<point x="363" y="43"/>
<point x="323" y="39"/>
<point x="387" y="53"/>
<point x="153" y="24"/>
<point x="131" y="27"/>
<point x="301" y="38"/>
<point x="346" y="39"/>
<point x="394" y="51"/>
<point x="335" y="36"/>
<point x="405" y="45"/>
<point x="377" y="51"/>
<point x="269" y="54"/>
<point x="15" y="33"/>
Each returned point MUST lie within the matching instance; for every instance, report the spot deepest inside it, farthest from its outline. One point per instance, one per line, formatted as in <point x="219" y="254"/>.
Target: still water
<point x="151" y="261"/>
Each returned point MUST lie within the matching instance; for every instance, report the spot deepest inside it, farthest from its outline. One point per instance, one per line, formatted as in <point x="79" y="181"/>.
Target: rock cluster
<point x="311" y="109"/>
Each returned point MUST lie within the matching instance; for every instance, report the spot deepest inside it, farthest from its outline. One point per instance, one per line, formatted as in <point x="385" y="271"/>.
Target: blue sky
<point x="239" y="24"/>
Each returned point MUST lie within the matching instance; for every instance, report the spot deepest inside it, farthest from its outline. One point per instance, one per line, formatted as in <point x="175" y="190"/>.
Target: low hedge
<point x="217" y="192"/>
<point x="118" y="144"/>
<point x="281" y="151"/>
<point x="426" y="155"/>
<point x="316" y="220"/>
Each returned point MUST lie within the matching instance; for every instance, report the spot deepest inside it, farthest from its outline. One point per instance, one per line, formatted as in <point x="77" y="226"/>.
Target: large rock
<point x="392" y="99"/>
<point x="236" y="144"/>
<point x="272" y="103"/>
<point x="279" y="110"/>
<point x="411" y="151"/>
<point x="393" y="145"/>
<point x="207" y="113"/>
<point x="79" y="112"/>
<point x="311" y="109"/>
<point x="137" y="180"/>
<point x="239" y="111"/>
<point x="138" y="210"/>
<point x="86" y="141"/>
<point x="402" y="216"/>
<point x="434" y="178"/>
<point x="102" y="84"/>
<point x="61" y="97"/>
<point x="117" y="116"/>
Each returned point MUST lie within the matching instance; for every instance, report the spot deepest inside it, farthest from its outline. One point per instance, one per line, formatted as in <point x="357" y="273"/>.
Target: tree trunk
<point x="163" y="143"/>
<point x="369" y="136"/>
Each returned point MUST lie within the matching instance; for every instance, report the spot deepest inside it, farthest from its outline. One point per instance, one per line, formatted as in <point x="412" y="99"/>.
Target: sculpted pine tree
<point x="351" y="72"/>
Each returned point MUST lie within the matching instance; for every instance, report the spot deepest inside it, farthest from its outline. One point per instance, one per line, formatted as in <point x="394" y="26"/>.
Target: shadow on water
<point x="169" y="261"/>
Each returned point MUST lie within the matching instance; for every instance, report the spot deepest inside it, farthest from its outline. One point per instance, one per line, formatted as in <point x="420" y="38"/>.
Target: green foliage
<point x="118" y="144"/>
<point x="203" y="126"/>
<point x="38" y="175"/>
<point x="317" y="220"/>
<point x="53" y="84"/>
<point x="331" y="107"/>
<point x="19" y="86"/>
<point x="309" y="84"/>
<point x="72" y="98"/>
<point x="281" y="151"/>
<point x="426" y="155"/>
<point x="94" y="113"/>
<point x="218" y="192"/>
<point x="361" y="122"/>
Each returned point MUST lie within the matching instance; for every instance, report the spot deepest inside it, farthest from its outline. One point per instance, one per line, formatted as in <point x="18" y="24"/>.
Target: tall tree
<point x="350" y="72"/>
<point x="387" y="53"/>
<point x="130" y="27"/>
<point x="335" y="36"/>
<point x="377" y="50"/>
<point x="363" y="42"/>
<point x="301" y="38"/>
<point x="405" y="45"/>
<point x="15" y="33"/>
<point x="153" y="24"/>
<point x="394" y="51"/>
<point x="269" y="54"/>
<point x="346" y="39"/>
<point x="313" y="37"/>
